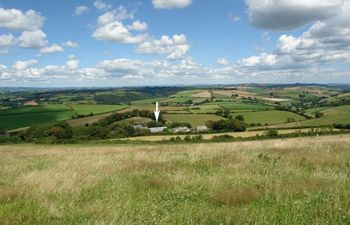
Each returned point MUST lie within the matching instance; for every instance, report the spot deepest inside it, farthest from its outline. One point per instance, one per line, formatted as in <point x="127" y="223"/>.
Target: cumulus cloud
<point x="80" y="10"/>
<point x="6" y="41"/>
<point x="70" y="44"/>
<point x="22" y="65"/>
<point x="72" y="63"/>
<point x="52" y="49"/>
<point x="222" y="62"/>
<point x="32" y="39"/>
<point x="116" y="32"/>
<point x="169" y="4"/>
<point x="175" y="47"/>
<point x="287" y="15"/>
<point x="138" y="26"/>
<point x="111" y="28"/>
<point x="15" y="19"/>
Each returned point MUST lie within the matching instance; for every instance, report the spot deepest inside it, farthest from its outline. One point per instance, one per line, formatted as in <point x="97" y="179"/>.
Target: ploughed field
<point x="293" y="181"/>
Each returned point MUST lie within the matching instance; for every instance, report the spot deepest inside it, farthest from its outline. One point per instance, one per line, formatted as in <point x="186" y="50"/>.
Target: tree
<point x="239" y="117"/>
<point x="319" y="114"/>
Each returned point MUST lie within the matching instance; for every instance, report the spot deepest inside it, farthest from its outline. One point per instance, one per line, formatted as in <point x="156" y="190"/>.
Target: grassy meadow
<point x="86" y="109"/>
<point x="293" y="181"/>
<point x="193" y="119"/>
<point x="269" y="117"/>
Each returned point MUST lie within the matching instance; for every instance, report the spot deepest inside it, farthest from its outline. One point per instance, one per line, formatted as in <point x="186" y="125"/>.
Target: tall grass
<point x="293" y="181"/>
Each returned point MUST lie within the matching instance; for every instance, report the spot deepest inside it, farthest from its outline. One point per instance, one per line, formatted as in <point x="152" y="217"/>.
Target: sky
<point x="111" y="43"/>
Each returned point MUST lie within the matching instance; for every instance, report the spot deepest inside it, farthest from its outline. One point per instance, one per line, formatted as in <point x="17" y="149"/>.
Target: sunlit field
<point x="293" y="181"/>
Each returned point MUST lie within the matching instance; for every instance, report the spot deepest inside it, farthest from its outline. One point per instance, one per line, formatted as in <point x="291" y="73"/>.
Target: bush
<point x="239" y="117"/>
<point x="271" y="133"/>
<point x="227" y="125"/>
<point x="177" y="124"/>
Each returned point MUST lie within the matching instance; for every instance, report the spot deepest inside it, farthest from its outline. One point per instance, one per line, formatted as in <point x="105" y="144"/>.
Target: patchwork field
<point x="294" y="181"/>
<point x="323" y="121"/>
<point x="193" y="119"/>
<point x="95" y="109"/>
<point x="237" y="106"/>
<point x="9" y="122"/>
<point x="269" y="117"/>
<point x="30" y="115"/>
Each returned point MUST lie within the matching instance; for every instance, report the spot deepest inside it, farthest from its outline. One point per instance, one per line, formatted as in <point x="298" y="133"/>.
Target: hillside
<point x="294" y="181"/>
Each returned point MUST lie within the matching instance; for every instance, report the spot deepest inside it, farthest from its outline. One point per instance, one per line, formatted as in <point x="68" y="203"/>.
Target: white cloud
<point x="138" y="26"/>
<point x="22" y="65"/>
<point x="100" y="5"/>
<point x="287" y="15"/>
<point x="169" y="4"/>
<point x="32" y="39"/>
<point x="175" y="47"/>
<point x="51" y="49"/>
<point x="70" y="44"/>
<point x="15" y="19"/>
<point x="118" y="14"/>
<point x="116" y="32"/>
<point x="222" y="62"/>
<point x="111" y="28"/>
<point x="7" y="40"/>
<point x="80" y="10"/>
<point x="72" y="63"/>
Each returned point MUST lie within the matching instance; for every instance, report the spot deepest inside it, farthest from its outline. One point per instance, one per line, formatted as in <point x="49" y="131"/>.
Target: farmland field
<point x="9" y="122"/>
<point x="323" y="121"/>
<point x="193" y="119"/>
<point x="269" y="117"/>
<point x="31" y="115"/>
<point x="36" y="109"/>
<point x="95" y="109"/>
<point x="243" y="106"/>
<point x="294" y="181"/>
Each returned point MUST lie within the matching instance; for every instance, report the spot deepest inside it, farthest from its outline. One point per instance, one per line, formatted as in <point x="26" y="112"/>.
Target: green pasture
<point x="193" y="119"/>
<point x="244" y="106"/>
<point x="82" y="109"/>
<point x="269" y="117"/>
<point x="9" y="122"/>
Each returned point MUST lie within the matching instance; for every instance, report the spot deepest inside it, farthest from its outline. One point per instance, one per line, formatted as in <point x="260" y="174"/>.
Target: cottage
<point x="201" y="129"/>
<point x="181" y="130"/>
<point x="155" y="130"/>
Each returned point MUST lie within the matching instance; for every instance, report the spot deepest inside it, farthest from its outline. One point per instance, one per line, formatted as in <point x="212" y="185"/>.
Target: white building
<point x="202" y="128"/>
<point x="155" y="130"/>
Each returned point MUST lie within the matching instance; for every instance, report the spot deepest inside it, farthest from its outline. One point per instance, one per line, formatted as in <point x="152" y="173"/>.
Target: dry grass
<point x="237" y="196"/>
<point x="255" y="182"/>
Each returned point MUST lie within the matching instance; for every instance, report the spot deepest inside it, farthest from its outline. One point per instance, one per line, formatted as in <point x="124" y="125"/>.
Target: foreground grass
<point x="294" y="181"/>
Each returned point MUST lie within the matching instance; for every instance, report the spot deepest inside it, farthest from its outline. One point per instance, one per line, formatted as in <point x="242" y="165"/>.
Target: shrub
<point x="271" y="133"/>
<point x="239" y="117"/>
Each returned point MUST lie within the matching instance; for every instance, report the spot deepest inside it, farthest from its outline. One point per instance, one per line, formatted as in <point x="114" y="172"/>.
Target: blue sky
<point x="165" y="42"/>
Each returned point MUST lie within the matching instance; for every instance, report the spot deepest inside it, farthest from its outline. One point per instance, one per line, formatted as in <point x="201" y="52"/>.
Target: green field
<point x="205" y="108"/>
<point x="345" y="109"/>
<point x="149" y="101"/>
<point x="31" y="115"/>
<point x="95" y="109"/>
<point x="269" y="117"/>
<point x="293" y="181"/>
<point x="36" y="109"/>
<point x="193" y="119"/>
<point x="323" y="121"/>
<point x="244" y="106"/>
<point x="8" y="122"/>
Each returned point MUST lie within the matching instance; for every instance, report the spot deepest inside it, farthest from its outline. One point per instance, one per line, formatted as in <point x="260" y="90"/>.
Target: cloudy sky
<point x="171" y="42"/>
